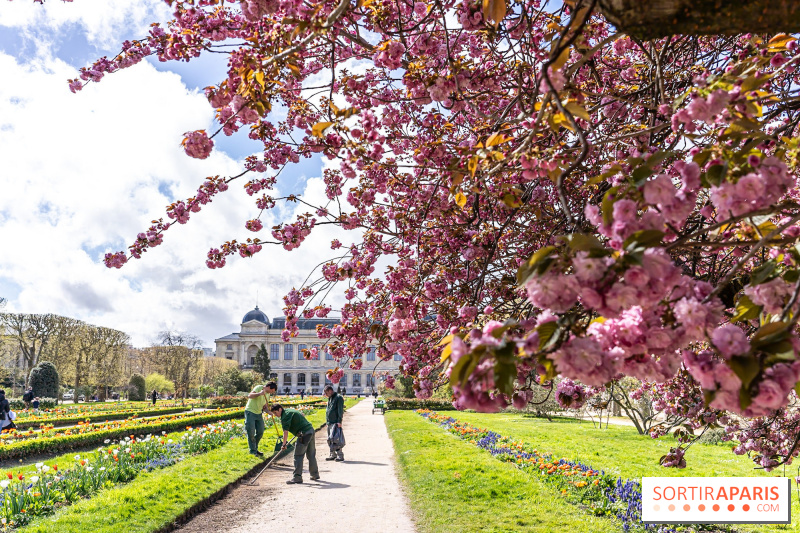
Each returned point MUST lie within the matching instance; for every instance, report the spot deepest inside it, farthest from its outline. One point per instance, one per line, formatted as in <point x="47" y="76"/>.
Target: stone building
<point x="290" y="369"/>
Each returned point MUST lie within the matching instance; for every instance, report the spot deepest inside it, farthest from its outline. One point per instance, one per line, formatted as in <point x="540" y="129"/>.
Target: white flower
<point x="169" y="441"/>
<point x="107" y="441"/>
<point x="77" y="457"/>
<point x="89" y="468"/>
<point x="102" y="468"/>
<point x="116" y="451"/>
<point x="5" y="483"/>
<point x="34" y="479"/>
<point x="45" y="468"/>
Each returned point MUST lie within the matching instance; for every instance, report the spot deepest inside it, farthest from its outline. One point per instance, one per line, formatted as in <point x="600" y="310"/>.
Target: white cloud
<point x="80" y="176"/>
<point x="101" y="21"/>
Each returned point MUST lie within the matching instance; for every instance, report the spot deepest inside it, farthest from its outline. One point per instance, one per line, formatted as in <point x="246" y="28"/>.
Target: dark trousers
<point x="310" y="451"/>
<point x="254" y="427"/>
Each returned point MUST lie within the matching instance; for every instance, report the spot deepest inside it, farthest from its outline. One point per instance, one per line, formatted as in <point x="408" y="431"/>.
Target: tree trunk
<point x="651" y="19"/>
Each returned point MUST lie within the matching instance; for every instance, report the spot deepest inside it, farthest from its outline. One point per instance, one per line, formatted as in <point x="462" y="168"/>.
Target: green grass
<point x="454" y="486"/>
<point x="621" y="451"/>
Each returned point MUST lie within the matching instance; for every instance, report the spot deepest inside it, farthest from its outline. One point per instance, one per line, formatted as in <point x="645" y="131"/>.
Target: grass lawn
<point x="454" y="486"/>
<point x="621" y="451"/>
<point x="155" y="499"/>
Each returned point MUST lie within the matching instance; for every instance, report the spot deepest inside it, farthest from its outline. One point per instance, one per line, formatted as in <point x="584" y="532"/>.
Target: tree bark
<point x="651" y="19"/>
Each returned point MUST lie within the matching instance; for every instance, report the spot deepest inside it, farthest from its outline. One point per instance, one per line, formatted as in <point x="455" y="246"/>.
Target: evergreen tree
<point x="261" y="365"/>
<point x="44" y="380"/>
<point x="138" y="391"/>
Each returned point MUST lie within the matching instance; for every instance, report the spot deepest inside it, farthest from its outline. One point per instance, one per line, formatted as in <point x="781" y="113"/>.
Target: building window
<point x="301" y="380"/>
<point x="317" y="347"/>
<point x="315" y="380"/>
<point x="356" y="380"/>
<point x="287" y="380"/>
<point x="328" y="356"/>
<point x="252" y="360"/>
<point x="273" y="376"/>
<point x="371" y="354"/>
<point x="370" y="380"/>
<point x="274" y="351"/>
<point x="288" y="352"/>
<point x="398" y="357"/>
<point x="230" y="347"/>
<point x="300" y="349"/>
<point x="343" y="381"/>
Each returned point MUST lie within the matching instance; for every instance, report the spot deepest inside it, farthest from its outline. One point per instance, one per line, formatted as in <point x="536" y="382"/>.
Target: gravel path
<point x="361" y="494"/>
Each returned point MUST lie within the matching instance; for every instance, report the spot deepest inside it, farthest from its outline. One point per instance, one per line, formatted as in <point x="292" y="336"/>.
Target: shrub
<point x="221" y="402"/>
<point x="44" y="380"/>
<point x="713" y="437"/>
<point x="410" y="404"/>
<point x="158" y="382"/>
<point x="138" y="388"/>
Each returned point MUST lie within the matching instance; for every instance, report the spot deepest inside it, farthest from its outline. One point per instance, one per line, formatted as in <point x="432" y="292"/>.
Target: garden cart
<point x="379" y="405"/>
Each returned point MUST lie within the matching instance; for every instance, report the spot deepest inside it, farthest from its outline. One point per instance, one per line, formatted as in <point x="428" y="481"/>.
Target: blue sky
<point x="83" y="174"/>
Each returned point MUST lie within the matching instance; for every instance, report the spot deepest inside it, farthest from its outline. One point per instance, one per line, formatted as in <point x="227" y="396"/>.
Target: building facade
<point x="289" y="368"/>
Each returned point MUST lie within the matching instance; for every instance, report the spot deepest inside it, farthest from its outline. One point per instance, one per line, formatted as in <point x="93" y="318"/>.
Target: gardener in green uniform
<point x="295" y="423"/>
<point x="253" y="419"/>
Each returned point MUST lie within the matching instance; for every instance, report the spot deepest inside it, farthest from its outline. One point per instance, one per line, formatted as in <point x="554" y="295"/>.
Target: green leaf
<point x="640" y="175"/>
<point x="746" y="367"/>
<point x="762" y="273"/>
<point x="528" y="268"/>
<point x="744" y="397"/>
<point x="716" y="173"/>
<point x="607" y="206"/>
<point x="646" y="238"/>
<point x="769" y="333"/>
<point x="746" y="309"/>
<point x="614" y="169"/>
<point x="584" y="242"/>
<point x="655" y="159"/>
<point x="545" y="332"/>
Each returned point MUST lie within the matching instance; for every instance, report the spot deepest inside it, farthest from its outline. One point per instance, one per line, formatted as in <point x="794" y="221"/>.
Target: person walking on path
<point x="334" y="414"/>
<point x="154" y="397"/>
<point x="5" y="409"/>
<point x="27" y="398"/>
<point x="295" y="423"/>
<point x="253" y="419"/>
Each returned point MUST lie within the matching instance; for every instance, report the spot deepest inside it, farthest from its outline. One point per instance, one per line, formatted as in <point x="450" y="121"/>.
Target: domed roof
<point x="255" y="314"/>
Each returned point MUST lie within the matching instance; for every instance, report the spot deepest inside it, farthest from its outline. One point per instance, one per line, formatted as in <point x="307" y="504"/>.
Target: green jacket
<point x="294" y="422"/>
<point x="334" y="414"/>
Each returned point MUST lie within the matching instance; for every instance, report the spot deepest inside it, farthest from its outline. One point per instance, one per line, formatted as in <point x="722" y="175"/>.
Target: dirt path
<point x="360" y="495"/>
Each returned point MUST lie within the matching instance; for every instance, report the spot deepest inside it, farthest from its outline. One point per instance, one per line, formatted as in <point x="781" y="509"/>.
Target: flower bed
<point x="89" y="434"/>
<point x="412" y="404"/>
<point x="30" y="493"/>
<point x="602" y="494"/>
<point x="48" y="422"/>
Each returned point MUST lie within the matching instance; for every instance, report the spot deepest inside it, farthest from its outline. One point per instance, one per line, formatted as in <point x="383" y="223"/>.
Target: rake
<point x="277" y="454"/>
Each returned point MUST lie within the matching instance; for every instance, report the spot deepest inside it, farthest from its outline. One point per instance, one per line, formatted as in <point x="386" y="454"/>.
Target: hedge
<point x="100" y="417"/>
<point x="22" y="449"/>
<point x="17" y="404"/>
<point x="410" y="404"/>
<point x="240" y="401"/>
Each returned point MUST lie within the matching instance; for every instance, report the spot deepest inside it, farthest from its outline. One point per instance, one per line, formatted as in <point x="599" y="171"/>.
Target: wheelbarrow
<point x="379" y="405"/>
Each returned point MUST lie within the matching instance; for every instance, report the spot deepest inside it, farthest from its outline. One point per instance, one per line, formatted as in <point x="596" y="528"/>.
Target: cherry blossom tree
<point x="554" y="196"/>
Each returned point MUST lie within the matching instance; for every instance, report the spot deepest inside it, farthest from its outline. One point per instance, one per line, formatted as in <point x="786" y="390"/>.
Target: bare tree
<point x="32" y="333"/>
<point x="178" y="355"/>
